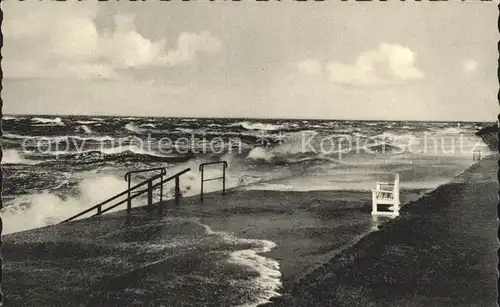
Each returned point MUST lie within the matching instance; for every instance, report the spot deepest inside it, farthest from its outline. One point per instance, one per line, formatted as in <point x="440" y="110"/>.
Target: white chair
<point x="386" y="193"/>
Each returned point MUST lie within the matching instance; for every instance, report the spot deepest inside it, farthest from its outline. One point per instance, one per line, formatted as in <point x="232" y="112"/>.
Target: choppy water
<point x="57" y="166"/>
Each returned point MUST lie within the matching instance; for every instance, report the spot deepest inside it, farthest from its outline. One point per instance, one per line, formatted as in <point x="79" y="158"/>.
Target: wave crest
<point x="12" y="156"/>
<point x="49" y="121"/>
<point x="43" y="209"/>
<point x="259" y="126"/>
<point x="84" y="129"/>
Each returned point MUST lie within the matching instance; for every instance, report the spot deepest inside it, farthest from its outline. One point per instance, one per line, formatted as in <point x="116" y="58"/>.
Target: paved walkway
<point x="441" y="252"/>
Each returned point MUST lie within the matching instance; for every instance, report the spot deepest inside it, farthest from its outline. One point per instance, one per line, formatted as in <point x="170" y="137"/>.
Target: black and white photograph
<point x="250" y="153"/>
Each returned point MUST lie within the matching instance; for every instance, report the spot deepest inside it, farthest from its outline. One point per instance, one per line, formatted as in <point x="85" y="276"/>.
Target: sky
<point x="327" y="60"/>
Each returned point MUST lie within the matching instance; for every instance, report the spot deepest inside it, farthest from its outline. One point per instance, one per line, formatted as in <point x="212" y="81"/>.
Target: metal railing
<point x="224" y="166"/>
<point x="476" y="155"/>
<point x="127" y="177"/>
<point x="149" y="190"/>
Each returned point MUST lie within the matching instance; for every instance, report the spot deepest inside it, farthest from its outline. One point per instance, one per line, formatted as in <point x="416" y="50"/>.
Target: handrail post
<point x="201" y="193"/>
<point x="202" y="168"/>
<point x="224" y="178"/>
<point x="177" y="190"/>
<point x="476" y="155"/>
<point x="150" y="193"/>
<point x="129" y="201"/>
<point x="161" y="187"/>
<point x="128" y="177"/>
<point x="99" y="209"/>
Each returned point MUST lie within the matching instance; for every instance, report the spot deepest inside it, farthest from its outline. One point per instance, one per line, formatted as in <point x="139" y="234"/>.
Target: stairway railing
<point x="224" y="166"/>
<point x="149" y="190"/>
<point x="127" y="177"/>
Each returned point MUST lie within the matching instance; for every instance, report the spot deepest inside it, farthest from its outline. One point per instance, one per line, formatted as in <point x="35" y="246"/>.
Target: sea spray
<point x="12" y="156"/>
<point x="260" y="153"/>
<point x="43" y="209"/>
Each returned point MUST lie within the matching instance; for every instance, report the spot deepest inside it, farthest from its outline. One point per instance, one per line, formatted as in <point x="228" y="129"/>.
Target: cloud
<point x="310" y="67"/>
<point x="470" y="66"/>
<point x="389" y="64"/>
<point x="188" y="45"/>
<point x="69" y="44"/>
<point x="126" y="48"/>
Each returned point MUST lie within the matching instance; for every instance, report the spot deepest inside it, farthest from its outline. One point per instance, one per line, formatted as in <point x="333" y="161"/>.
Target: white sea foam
<point x="453" y="130"/>
<point x="133" y="128"/>
<point x="132" y="148"/>
<point x="260" y="153"/>
<point x="87" y="122"/>
<point x="185" y="130"/>
<point x="12" y="156"/>
<point x="267" y="284"/>
<point x="43" y="209"/>
<point x="258" y="126"/>
<point x="84" y="129"/>
<point x="48" y="121"/>
<point x="56" y="139"/>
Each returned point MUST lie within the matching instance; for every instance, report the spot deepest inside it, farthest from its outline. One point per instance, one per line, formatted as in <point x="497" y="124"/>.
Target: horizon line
<point x="250" y="118"/>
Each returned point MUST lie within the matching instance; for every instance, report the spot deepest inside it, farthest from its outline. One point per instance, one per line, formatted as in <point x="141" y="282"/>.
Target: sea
<point x="57" y="166"/>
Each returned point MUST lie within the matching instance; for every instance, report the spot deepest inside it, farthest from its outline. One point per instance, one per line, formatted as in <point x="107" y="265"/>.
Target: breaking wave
<point x="12" y="156"/>
<point x="147" y="126"/>
<point x="84" y="129"/>
<point x="260" y="153"/>
<point x="87" y="122"/>
<point x="133" y="128"/>
<point x="66" y="138"/>
<point x="49" y="121"/>
<point x="43" y="209"/>
<point x="259" y="126"/>
<point x="127" y="153"/>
